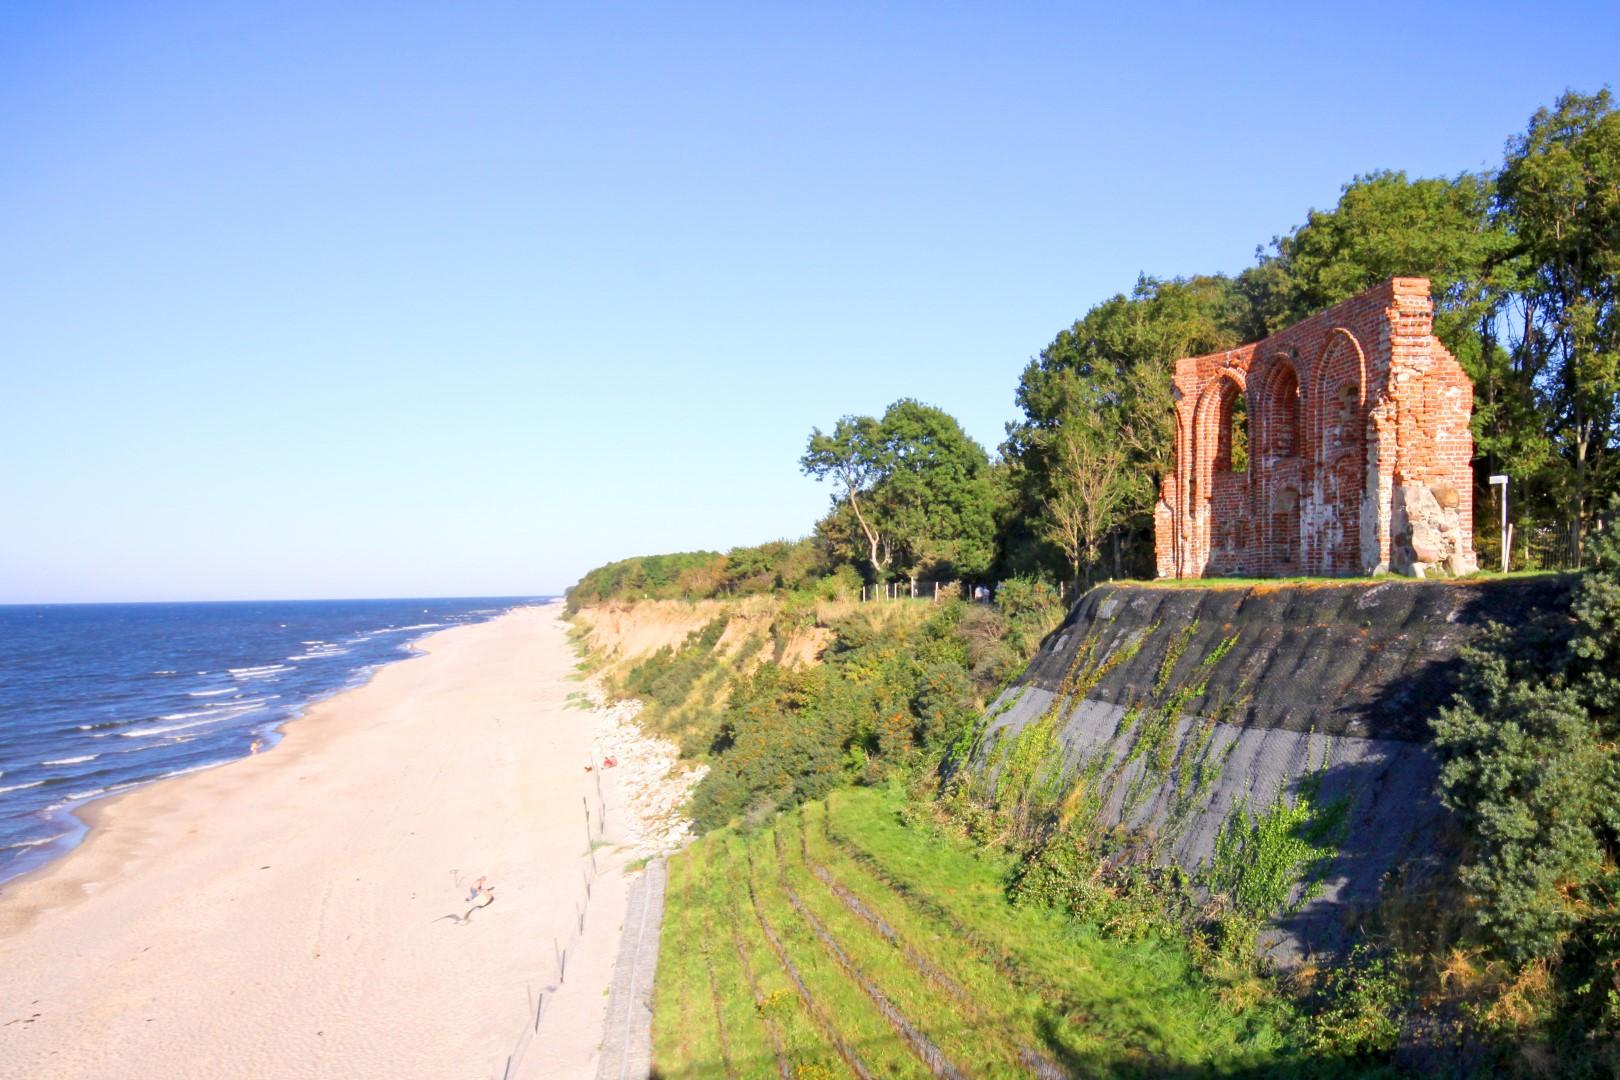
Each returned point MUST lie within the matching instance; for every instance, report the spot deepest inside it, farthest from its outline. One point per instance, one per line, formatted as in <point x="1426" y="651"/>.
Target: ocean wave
<point x="165" y="672"/>
<point x="104" y="728"/>
<point x="402" y="629"/>
<point x="71" y="760"/>
<point x="262" y="669"/>
<point x="19" y="787"/>
<point x="72" y="795"/>
<point x="212" y="693"/>
<point x="233" y="708"/>
<point x="164" y="729"/>
<point x="32" y="843"/>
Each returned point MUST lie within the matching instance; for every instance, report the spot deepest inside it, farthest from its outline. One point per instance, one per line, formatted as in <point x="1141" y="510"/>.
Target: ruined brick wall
<point x="1358" y="449"/>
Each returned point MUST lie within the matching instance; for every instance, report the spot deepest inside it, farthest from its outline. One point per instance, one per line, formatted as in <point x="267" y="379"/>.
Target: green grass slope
<point x="844" y="941"/>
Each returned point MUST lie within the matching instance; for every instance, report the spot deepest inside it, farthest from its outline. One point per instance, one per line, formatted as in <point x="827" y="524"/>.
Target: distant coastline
<point x="107" y="698"/>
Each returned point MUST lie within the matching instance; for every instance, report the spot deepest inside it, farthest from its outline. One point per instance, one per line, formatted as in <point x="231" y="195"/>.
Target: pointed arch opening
<point x="1285" y="412"/>
<point x="1232" y="445"/>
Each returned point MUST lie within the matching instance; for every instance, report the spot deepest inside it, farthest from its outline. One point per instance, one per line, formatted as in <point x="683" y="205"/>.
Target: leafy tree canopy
<point x="915" y="487"/>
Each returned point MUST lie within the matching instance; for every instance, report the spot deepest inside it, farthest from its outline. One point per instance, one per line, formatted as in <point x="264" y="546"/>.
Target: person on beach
<point x="479" y="896"/>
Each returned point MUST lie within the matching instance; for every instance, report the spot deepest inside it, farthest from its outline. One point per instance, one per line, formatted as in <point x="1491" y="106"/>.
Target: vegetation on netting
<point x="1273" y="859"/>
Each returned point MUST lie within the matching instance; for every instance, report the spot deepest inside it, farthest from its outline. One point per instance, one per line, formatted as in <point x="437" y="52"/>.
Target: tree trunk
<point x="1583" y="438"/>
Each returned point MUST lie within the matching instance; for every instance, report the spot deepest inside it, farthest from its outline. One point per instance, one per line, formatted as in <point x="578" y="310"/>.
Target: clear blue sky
<point x="385" y="299"/>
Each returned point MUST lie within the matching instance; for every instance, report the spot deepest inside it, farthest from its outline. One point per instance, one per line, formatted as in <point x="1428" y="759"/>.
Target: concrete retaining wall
<point x="1276" y="683"/>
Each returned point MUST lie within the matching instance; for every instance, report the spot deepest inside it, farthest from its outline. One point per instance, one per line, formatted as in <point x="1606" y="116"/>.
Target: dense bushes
<point x="1532" y="770"/>
<point x="774" y="567"/>
<point x="666" y="677"/>
<point x="897" y="685"/>
<point x="647" y="577"/>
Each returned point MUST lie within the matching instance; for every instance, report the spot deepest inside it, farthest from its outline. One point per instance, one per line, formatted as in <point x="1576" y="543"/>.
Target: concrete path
<point x="627" y="1041"/>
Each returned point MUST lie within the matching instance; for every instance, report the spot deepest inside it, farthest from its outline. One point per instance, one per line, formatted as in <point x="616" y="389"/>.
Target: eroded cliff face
<point x="619" y="634"/>
<point x="1175" y="705"/>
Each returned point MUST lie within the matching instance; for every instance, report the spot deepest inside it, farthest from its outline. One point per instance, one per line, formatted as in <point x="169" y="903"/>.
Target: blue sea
<point x="98" y="698"/>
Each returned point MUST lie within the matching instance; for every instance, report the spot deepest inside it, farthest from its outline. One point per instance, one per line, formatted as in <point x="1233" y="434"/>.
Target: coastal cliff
<point x="1174" y="708"/>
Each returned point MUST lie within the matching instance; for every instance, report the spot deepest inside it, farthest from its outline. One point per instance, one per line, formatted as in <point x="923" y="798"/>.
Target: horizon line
<point x="279" y="600"/>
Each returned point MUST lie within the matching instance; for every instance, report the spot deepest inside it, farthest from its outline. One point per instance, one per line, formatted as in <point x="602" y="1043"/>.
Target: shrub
<point x="844" y="584"/>
<point x="1532" y="769"/>
<point x="1357" y="1007"/>
<point x="1261" y="859"/>
<point x="685" y="575"/>
<point x="1028" y="599"/>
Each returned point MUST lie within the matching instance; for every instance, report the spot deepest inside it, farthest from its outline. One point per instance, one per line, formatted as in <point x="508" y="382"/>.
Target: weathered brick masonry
<point x="1358" y="449"/>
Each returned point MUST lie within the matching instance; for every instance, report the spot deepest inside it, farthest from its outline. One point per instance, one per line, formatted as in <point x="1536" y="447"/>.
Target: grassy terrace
<point x="843" y="942"/>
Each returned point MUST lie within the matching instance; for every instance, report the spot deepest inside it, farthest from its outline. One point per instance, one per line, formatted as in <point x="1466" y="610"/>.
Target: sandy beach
<point x="281" y="916"/>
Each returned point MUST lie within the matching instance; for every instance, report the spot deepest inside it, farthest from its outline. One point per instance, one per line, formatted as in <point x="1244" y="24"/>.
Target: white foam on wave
<point x="72" y="795"/>
<point x="402" y="629"/>
<point x="256" y="672"/>
<point x="33" y="843"/>
<point x="320" y="654"/>
<point x="205" y="719"/>
<point x="211" y="693"/>
<point x="227" y="709"/>
<point x="165" y="673"/>
<point x="19" y="787"/>
<point x="72" y="760"/>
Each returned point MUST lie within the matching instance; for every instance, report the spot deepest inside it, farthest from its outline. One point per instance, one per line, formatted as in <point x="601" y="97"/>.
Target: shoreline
<point x="80" y="818"/>
<point x="292" y="913"/>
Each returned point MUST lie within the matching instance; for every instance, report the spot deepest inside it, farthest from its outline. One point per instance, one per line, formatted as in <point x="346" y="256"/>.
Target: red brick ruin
<point x="1357" y="445"/>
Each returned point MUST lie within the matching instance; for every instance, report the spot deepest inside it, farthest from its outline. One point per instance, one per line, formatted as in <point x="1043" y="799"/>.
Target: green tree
<point x="1090" y="485"/>
<point x="856" y="458"/>
<point x="1387" y="226"/>
<point x="917" y="489"/>
<point x="1110" y="374"/>
<point x="937" y="497"/>
<point x="1559" y="194"/>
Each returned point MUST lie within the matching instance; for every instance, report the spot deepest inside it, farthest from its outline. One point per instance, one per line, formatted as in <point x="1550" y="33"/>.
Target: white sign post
<point x="1502" y="482"/>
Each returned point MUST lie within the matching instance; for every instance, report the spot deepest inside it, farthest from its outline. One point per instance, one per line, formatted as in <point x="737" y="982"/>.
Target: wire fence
<point x="563" y="947"/>
<point x="1535" y="545"/>
<point x="940" y="591"/>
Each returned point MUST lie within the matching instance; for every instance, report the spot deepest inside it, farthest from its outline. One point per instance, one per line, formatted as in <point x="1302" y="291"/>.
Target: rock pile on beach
<point x="650" y="769"/>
